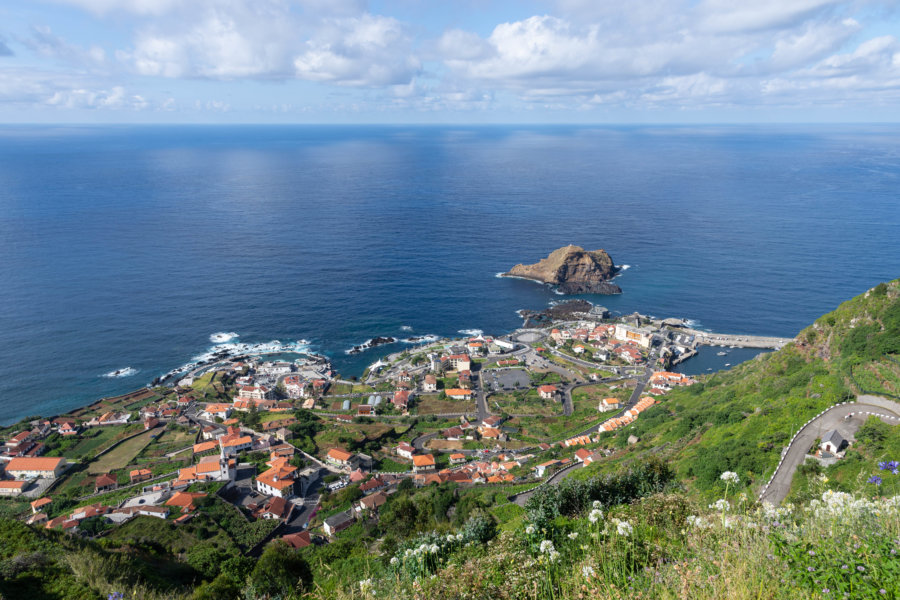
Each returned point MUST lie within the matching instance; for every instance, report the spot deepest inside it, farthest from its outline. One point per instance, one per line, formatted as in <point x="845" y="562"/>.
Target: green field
<point x="122" y="455"/>
<point x="524" y="403"/>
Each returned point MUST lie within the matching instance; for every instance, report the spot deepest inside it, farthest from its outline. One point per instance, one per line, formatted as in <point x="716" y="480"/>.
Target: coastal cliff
<point x="572" y="270"/>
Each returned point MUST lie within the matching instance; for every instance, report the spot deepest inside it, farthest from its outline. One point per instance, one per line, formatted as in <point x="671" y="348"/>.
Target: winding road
<point x="846" y="418"/>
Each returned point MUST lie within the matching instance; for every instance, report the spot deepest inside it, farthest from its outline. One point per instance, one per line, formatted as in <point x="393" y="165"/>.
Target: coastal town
<point x="291" y="450"/>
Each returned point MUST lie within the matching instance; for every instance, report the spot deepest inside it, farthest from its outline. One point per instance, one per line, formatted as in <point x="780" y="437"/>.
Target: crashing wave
<point x="471" y="332"/>
<point x="126" y="372"/>
<point x="421" y="339"/>
<point x="369" y="344"/>
<point x="222" y="337"/>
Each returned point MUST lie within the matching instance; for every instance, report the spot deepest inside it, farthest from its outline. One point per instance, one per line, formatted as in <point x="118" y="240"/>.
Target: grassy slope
<point x="741" y="419"/>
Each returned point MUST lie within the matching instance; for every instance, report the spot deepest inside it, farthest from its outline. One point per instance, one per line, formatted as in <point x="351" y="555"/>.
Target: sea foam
<point x="126" y="372"/>
<point x="471" y="332"/>
<point x="223" y="337"/>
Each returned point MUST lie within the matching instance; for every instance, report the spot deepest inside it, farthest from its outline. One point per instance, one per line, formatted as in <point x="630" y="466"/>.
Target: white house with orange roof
<point x="338" y="457"/>
<point x="547" y="392"/>
<point x="234" y="442"/>
<point x="213" y="410"/>
<point x="423" y="462"/>
<point x="43" y="467"/>
<point x="608" y="404"/>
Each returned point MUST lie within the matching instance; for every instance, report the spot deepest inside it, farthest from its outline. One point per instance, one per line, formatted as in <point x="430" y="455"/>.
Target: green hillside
<point x="740" y="420"/>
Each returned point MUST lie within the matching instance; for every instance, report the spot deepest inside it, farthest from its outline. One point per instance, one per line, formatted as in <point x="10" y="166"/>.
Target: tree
<point x="280" y="571"/>
<point x="221" y="588"/>
<point x="252" y="418"/>
<point x="400" y="516"/>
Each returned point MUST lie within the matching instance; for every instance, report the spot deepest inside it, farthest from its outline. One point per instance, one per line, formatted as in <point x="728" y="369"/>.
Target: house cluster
<point x="164" y="412"/>
<point x="110" y="418"/>
<point x="630" y="415"/>
<point x="627" y="343"/>
<point x="488" y="429"/>
<point x="664" y="381"/>
<point x="158" y="501"/>
<point x="27" y="442"/>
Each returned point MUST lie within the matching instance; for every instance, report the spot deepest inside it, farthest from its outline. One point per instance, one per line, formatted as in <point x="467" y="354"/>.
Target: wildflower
<point x="882" y="591"/>
<point x="529" y="530"/>
<point x="365" y="586"/>
<point x="434" y="549"/>
<point x="891" y="465"/>
<point x="810" y="569"/>
<point x="721" y="505"/>
<point x="116" y="596"/>
<point x="587" y="571"/>
<point x="595" y="515"/>
<point x="394" y="561"/>
<point x="875" y="479"/>
<point x="826" y="591"/>
<point x="573" y="535"/>
<point x="554" y="556"/>
<point x="624" y="528"/>
<point x="730" y="477"/>
<point x="597" y="505"/>
<point x="547" y="547"/>
<point x="844" y="567"/>
<point x="860" y="568"/>
<point x="812" y="552"/>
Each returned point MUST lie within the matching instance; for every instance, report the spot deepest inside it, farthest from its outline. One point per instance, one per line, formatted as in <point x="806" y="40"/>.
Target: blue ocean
<point x="129" y="247"/>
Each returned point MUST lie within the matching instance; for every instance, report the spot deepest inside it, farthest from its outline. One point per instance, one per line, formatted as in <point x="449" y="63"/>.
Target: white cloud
<point x="583" y="53"/>
<point x="47" y="44"/>
<point x="31" y="87"/>
<point x="729" y="16"/>
<point x="360" y="51"/>
<point x="813" y="42"/>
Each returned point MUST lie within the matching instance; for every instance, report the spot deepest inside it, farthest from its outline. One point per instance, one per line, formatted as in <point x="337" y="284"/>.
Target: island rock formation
<point x="573" y="270"/>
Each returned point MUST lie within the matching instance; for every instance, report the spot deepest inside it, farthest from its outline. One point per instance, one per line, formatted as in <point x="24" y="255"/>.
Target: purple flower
<point x="860" y="568"/>
<point x="115" y="596"/>
<point x="875" y="479"/>
<point x="810" y="569"/>
<point x="812" y="552"/>
<point x="889" y="465"/>
<point x="826" y="591"/>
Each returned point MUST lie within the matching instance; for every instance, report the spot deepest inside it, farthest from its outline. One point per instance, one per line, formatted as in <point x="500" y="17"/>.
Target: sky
<point x="442" y="61"/>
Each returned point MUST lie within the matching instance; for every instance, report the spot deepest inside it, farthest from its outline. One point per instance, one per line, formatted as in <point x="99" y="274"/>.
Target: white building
<point x="639" y="335"/>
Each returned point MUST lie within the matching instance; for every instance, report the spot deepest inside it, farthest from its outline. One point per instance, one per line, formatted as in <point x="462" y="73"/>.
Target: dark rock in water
<point x="373" y="343"/>
<point x="564" y="311"/>
<point x="573" y="270"/>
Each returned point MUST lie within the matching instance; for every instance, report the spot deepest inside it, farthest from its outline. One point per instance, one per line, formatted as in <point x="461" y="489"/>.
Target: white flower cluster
<point x="721" y="505"/>
<point x="530" y="530"/>
<point x="365" y="586"/>
<point x="595" y="515"/>
<point x="697" y="522"/>
<point x="587" y="571"/>
<point x="596" y="505"/>
<point x="547" y="547"/>
<point x="623" y="528"/>
<point x="778" y="513"/>
<point x="842" y="504"/>
<point x="730" y="477"/>
<point x="573" y="535"/>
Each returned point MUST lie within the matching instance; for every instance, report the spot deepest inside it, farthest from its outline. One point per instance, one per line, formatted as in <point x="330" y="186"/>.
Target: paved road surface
<point x="846" y="418"/>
